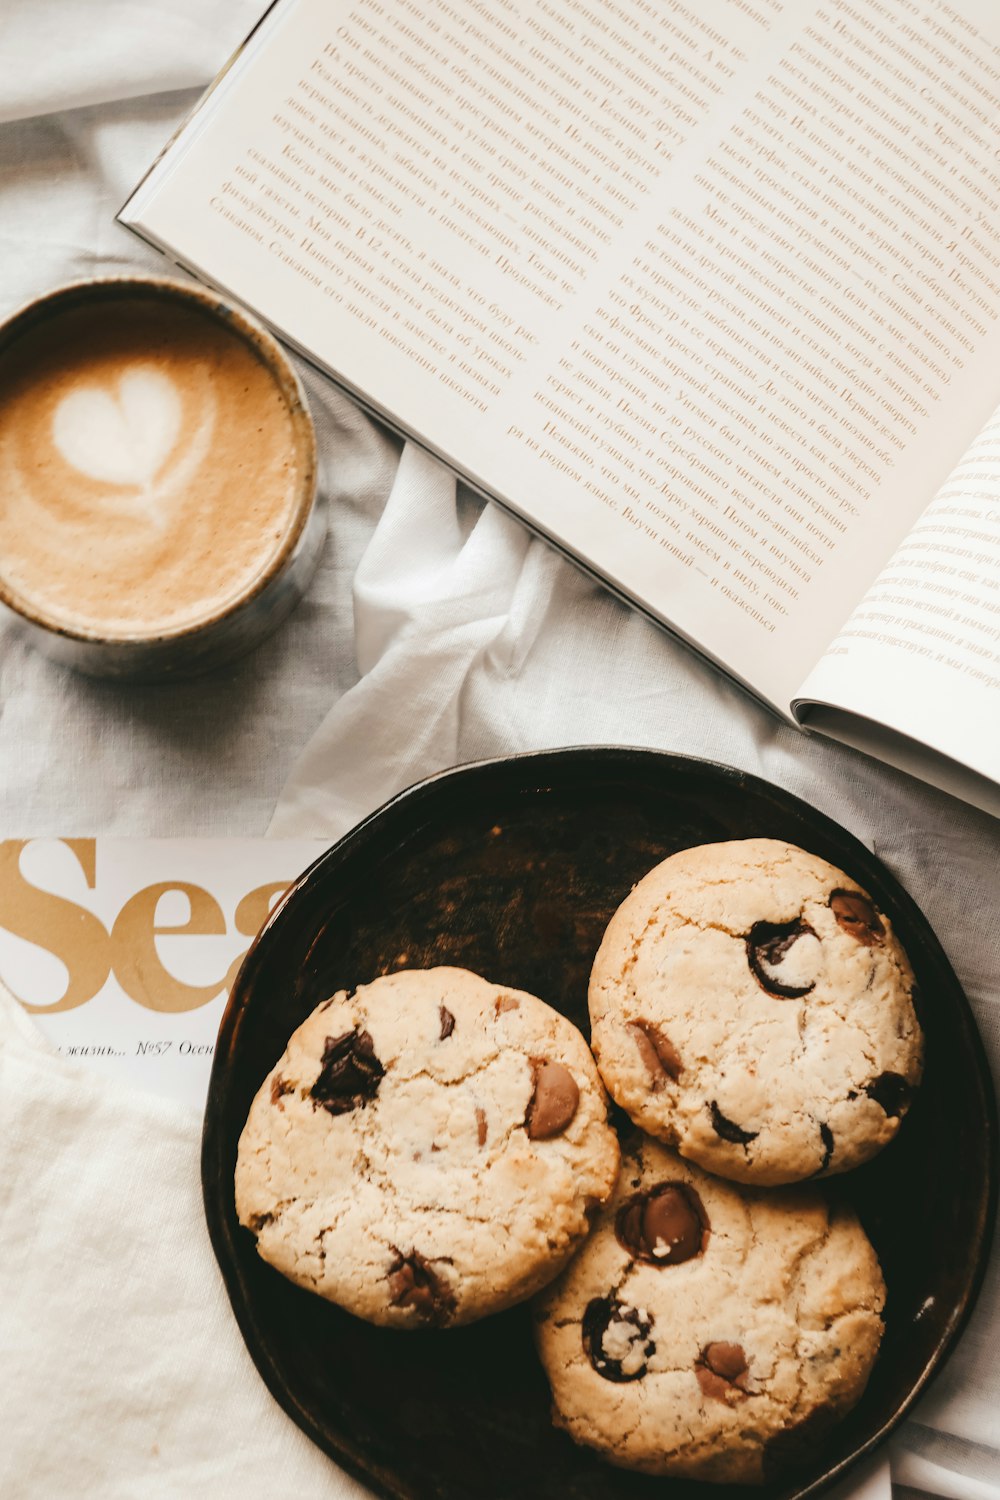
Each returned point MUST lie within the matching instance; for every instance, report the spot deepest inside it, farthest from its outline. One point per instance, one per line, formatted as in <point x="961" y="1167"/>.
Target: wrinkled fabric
<point x="124" y="1373"/>
<point x="472" y="639"/>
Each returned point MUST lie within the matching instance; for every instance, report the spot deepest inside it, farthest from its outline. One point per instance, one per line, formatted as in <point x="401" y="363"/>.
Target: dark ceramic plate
<point x="512" y="869"/>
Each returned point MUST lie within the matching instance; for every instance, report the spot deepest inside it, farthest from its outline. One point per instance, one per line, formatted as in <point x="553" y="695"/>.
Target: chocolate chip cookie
<point x="752" y="1006"/>
<point x="709" y="1331"/>
<point x="427" y="1149"/>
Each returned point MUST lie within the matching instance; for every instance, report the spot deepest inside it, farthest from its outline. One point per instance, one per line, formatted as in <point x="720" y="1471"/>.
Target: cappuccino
<point x="154" y="469"/>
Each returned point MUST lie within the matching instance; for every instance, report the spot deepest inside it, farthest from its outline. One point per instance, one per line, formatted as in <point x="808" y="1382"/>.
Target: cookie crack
<point x="481" y="1066"/>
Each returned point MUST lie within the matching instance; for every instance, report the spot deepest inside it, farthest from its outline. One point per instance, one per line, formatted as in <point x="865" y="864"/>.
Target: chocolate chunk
<point x="727" y="1130"/>
<point x="447" y="1022"/>
<point x="722" y="1371"/>
<point x="350" y="1073"/>
<point x="892" y="1092"/>
<point x="481" y="1126"/>
<point x="616" y="1339"/>
<point x="506" y="1002"/>
<point x="768" y="944"/>
<point x="279" y="1088"/>
<point x="413" y="1282"/>
<point x="553" y="1102"/>
<point x="826" y="1136"/>
<point x="857" y="915"/>
<point x="665" y="1226"/>
<point x="658" y="1053"/>
<point x="257" y="1222"/>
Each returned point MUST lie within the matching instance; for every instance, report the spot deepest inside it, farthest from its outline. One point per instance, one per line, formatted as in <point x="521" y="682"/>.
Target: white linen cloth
<point x="124" y="1374"/>
<point x="472" y="640"/>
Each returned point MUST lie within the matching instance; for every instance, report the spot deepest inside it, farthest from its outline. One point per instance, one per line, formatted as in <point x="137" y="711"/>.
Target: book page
<point x="700" y="290"/>
<point x="921" y="653"/>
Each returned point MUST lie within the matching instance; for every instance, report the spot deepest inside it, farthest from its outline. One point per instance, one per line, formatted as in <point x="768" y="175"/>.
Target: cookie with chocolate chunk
<point x="752" y="1006"/>
<point x="427" y="1149"/>
<point x="707" y="1330"/>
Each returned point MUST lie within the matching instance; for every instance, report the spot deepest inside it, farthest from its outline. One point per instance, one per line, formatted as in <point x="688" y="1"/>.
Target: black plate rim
<point x="385" y="1483"/>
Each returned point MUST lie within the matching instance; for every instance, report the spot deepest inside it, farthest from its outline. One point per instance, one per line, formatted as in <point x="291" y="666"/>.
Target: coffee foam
<point x="123" y="434"/>
<point x="149" y="467"/>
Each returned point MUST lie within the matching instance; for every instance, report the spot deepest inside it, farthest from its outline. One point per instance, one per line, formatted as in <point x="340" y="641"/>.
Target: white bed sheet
<point x="472" y="638"/>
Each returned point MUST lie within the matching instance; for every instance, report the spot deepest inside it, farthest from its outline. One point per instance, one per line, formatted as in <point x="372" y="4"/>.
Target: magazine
<point x="123" y="951"/>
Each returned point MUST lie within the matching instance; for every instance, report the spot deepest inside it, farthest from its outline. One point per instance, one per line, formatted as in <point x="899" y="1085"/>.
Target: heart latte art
<point x="122" y="436"/>
<point x="148" y="468"/>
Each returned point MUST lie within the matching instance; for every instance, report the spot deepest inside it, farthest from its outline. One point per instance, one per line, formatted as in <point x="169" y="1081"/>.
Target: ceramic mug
<point x="152" y="434"/>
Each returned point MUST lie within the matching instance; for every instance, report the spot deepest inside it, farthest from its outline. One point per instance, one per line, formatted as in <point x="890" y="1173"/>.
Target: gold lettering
<point x="68" y="931"/>
<point x="137" y="964"/>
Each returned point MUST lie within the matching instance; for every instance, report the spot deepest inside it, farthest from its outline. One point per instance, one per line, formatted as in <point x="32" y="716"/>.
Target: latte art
<point x="148" y="468"/>
<point x="122" y="436"/>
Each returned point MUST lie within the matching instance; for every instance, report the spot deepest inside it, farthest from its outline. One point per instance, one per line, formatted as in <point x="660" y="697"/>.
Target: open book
<point x="706" y="293"/>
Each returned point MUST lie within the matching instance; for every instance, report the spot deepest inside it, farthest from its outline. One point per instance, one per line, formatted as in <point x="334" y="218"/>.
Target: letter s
<point x="70" y="932"/>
